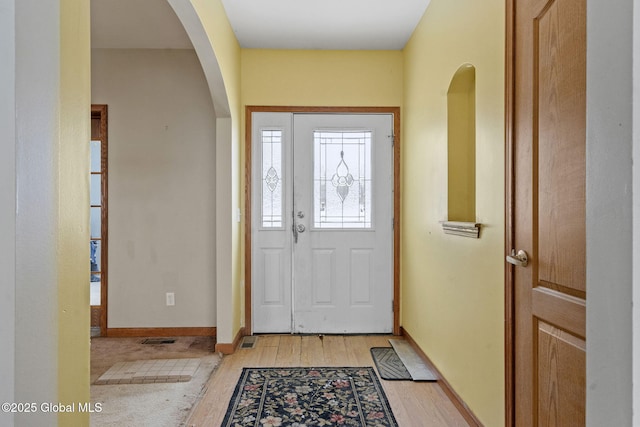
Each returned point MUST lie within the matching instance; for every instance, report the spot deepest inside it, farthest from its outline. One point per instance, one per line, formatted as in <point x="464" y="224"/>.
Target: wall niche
<point x="461" y="154"/>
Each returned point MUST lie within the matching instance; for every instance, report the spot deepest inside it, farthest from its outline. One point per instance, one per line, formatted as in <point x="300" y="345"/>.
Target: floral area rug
<point x="304" y="397"/>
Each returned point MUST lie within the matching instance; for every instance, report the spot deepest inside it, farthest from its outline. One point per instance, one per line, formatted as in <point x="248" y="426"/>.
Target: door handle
<point x="297" y="228"/>
<point x="520" y="259"/>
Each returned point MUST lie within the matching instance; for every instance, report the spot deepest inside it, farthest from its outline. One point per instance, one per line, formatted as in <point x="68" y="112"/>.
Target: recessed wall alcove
<point x="461" y="153"/>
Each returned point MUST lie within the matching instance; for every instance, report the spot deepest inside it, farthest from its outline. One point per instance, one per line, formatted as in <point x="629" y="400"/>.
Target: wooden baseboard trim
<point x="230" y="348"/>
<point x="161" y="332"/>
<point x="468" y="415"/>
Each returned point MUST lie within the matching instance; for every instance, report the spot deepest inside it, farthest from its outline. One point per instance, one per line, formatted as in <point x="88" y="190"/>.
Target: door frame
<point x="395" y="111"/>
<point x="509" y="294"/>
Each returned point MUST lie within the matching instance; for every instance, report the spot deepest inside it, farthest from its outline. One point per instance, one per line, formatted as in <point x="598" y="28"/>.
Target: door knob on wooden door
<point x="520" y="259"/>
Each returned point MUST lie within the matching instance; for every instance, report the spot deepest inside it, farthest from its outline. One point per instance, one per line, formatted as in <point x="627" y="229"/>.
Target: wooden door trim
<point x="396" y="196"/>
<point x="509" y="295"/>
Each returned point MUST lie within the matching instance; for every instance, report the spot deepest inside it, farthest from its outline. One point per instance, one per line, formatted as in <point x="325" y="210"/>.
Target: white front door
<point x="322" y="223"/>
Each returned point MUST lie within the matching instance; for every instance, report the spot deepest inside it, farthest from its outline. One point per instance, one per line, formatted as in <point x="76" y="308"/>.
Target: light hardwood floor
<point x="413" y="403"/>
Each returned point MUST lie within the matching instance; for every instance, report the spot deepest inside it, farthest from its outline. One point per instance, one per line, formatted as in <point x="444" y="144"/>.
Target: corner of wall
<point x="227" y="52"/>
<point x="609" y="212"/>
<point x="73" y="210"/>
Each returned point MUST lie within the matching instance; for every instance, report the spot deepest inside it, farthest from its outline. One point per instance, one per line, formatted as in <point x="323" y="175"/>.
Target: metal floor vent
<point x="249" y="342"/>
<point x="158" y="341"/>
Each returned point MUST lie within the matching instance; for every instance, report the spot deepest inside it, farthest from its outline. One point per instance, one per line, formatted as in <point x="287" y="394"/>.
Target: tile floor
<point x="150" y="371"/>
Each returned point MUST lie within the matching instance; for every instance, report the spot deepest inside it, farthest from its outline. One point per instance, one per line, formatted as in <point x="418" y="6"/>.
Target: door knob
<point x="520" y="259"/>
<point x="297" y="228"/>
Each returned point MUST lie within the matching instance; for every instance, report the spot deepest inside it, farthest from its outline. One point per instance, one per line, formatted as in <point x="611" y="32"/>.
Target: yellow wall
<point x="452" y="287"/>
<point x="73" y="210"/>
<point x="227" y="51"/>
<point x="321" y="78"/>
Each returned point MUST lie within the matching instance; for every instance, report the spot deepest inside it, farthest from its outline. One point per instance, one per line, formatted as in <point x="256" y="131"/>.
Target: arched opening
<point x="187" y="127"/>
<point x="461" y="145"/>
<point x="225" y="218"/>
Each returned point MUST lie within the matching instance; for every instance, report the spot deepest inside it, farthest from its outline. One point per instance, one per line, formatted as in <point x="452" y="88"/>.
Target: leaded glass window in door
<point x="272" y="196"/>
<point x="342" y="179"/>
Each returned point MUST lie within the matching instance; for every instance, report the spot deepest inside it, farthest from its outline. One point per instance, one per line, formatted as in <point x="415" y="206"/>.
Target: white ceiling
<point x="326" y="24"/>
<point x="274" y="24"/>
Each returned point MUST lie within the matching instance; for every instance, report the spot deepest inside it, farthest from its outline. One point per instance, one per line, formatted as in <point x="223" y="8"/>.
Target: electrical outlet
<point x="171" y="298"/>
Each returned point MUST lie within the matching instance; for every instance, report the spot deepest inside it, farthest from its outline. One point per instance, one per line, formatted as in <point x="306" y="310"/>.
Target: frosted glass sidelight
<point x="96" y="156"/>
<point x="96" y="222"/>
<point x="94" y="286"/>
<point x="272" y="179"/>
<point x="96" y="189"/>
<point x="342" y="179"/>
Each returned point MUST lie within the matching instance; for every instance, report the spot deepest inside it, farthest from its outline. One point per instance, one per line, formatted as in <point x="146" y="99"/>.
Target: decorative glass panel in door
<point x="271" y="145"/>
<point x="342" y="179"/>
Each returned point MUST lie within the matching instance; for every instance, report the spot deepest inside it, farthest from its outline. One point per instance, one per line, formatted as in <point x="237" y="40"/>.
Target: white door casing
<point x="323" y="263"/>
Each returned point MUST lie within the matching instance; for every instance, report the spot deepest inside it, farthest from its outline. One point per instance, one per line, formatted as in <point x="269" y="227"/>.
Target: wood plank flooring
<point x="416" y="404"/>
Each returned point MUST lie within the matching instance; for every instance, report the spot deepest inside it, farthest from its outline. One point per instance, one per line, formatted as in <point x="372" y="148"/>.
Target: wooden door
<point x="548" y="215"/>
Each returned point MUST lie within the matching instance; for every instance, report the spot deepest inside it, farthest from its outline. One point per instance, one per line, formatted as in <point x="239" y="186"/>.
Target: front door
<point x="549" y="212"/>
<point x="322" y="223"/>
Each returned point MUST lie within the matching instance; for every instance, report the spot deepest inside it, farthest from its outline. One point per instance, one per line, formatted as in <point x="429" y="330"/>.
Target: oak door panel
<point x="549" y="211"/>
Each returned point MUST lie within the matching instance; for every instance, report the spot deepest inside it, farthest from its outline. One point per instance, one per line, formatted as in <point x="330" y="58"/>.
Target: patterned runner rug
<point x="309" y="397"/>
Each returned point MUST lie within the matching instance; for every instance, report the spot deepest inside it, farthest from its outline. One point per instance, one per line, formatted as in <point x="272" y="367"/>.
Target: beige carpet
<point x="157" y="404"/>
